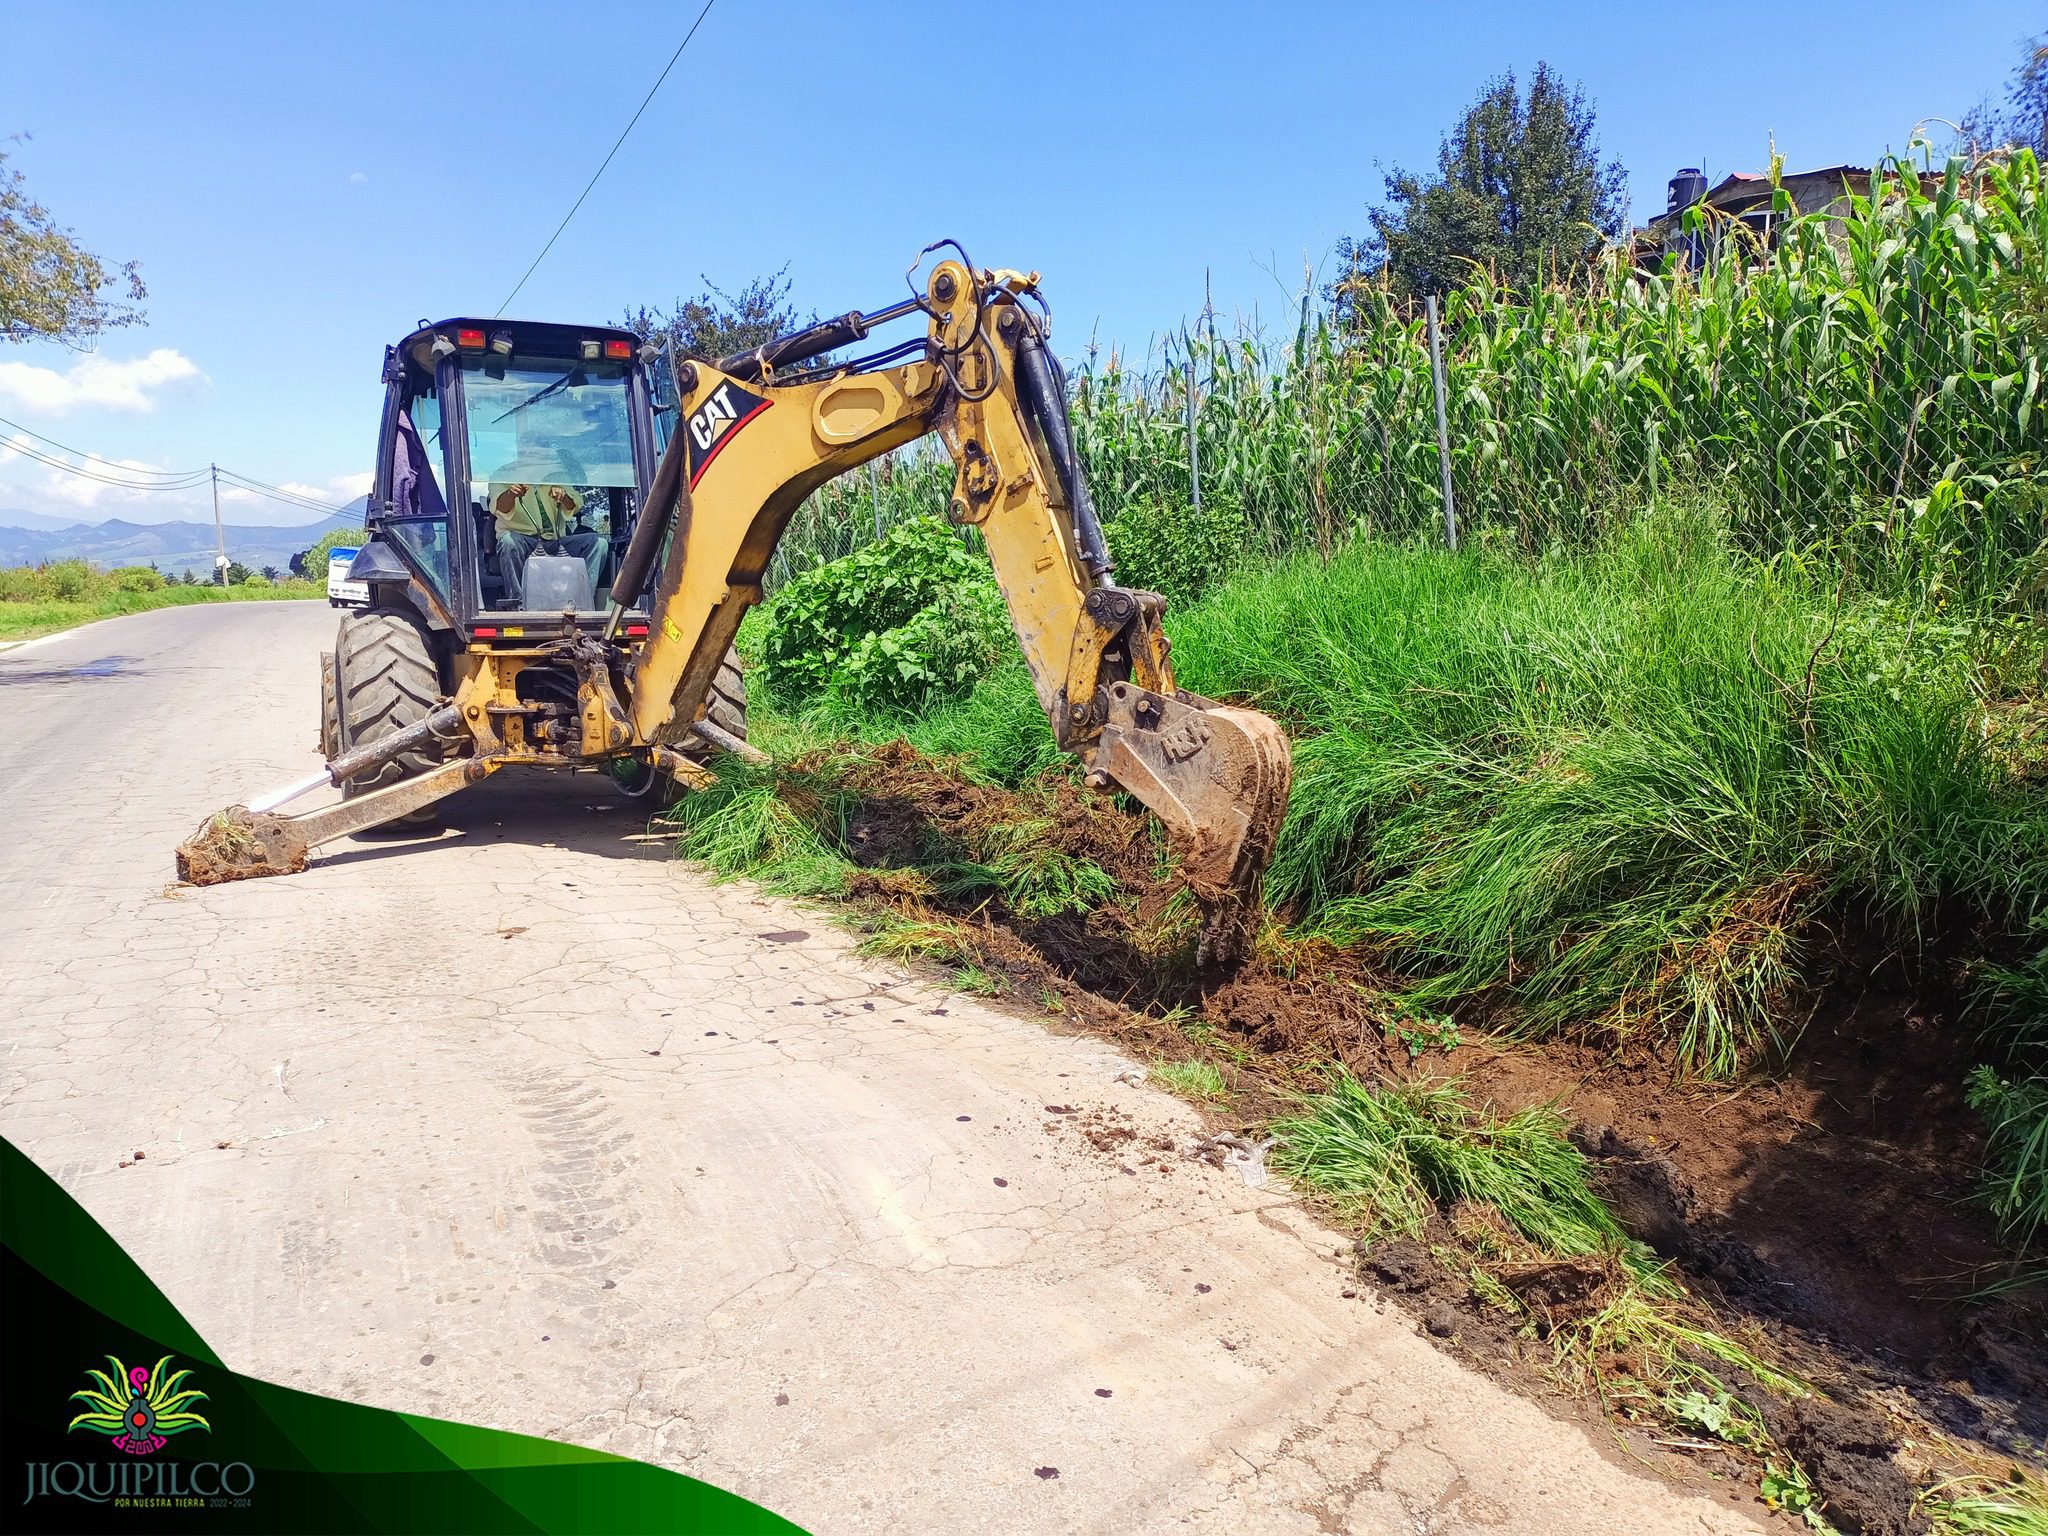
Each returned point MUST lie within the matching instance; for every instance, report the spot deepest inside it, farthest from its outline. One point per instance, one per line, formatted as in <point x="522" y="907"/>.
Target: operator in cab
<point x="530" y="514"/>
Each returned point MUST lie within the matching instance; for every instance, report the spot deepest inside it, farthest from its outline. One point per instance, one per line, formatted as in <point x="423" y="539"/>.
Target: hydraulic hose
<point x="663" y="498"/>
<point x="1045" y="396"/>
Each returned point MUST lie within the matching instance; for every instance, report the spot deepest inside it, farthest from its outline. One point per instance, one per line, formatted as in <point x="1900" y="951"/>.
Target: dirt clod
<point x="240" y="844"/>
<point x="1849" y="1455"/>
<point x="1566" y="1290"/>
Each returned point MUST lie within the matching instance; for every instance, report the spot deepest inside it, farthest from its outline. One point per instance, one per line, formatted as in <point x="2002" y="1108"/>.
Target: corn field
<point x="1866" y="389"/>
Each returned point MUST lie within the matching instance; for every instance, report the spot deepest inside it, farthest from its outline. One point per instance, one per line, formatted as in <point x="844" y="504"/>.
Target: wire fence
<point x="1863" y="386"/>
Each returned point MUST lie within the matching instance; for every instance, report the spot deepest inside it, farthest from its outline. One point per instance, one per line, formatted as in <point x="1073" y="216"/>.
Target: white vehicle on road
<point x="341" y="592"/>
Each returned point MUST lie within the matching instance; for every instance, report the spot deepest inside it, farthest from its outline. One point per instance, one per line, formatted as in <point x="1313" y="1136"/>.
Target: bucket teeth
<point x="1218" y="777"/>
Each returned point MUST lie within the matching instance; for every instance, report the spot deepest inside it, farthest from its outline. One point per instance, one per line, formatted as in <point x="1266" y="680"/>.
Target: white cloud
<point x="357" y="178"/>
<point x="96" y="380"/>
<point x="79" y="490"/>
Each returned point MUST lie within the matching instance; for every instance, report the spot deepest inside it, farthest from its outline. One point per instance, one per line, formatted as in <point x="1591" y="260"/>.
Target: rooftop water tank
<point x="1687" y="188"/>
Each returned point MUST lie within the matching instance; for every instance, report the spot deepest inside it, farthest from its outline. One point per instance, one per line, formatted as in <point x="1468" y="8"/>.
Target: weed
<point x="976" y="982"/>
<point x="1389" y="1155"/>
<point x="1031" y="875"/>
<point x="1197" y="1080"/>
<point x="893" y="936"/>
<point x="1786" y="1486"/>
<point x="1423" y="1033"/>
<point x="1979" y="1506"/>
<point x="1530" y="1233"/>
<point x="2016" y="1116"/>
<point x="1720" y="1414"/>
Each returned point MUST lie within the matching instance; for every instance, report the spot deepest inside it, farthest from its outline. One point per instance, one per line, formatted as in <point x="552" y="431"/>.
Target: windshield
<point x="544" y="421"/>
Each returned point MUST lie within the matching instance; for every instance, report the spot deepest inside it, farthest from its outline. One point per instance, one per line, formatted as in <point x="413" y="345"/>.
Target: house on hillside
<point x="1744" y="199"/>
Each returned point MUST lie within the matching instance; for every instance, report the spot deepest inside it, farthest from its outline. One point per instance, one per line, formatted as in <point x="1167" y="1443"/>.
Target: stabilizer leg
<point x="241" y="844"/>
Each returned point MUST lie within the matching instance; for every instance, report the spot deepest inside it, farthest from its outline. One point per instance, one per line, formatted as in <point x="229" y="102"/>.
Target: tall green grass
<point x="1612" y="787"/>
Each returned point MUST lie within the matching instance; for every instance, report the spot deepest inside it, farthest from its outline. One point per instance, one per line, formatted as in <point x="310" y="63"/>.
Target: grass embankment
<point x="1613" y="793"/>
<point x="39" y="600"/>
<point x="1627" y="797"/>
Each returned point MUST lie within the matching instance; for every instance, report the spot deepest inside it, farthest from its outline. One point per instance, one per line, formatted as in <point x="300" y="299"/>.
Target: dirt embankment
<point x="1820" y="1203"/>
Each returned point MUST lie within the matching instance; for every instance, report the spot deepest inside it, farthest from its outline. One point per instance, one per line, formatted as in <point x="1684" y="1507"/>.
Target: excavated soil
<point x="240" y="844"/>
<point x="1822" y="1202"/>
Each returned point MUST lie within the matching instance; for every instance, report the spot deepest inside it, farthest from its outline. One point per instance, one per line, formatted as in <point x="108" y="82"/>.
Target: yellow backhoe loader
<point x="552" y="586"/>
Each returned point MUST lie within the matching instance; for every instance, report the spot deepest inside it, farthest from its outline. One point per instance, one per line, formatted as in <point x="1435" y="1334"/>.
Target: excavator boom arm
<point x="749" y="450"/>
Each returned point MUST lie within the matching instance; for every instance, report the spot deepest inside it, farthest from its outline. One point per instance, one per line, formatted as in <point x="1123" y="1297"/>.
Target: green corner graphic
<point x="76" y="1304"/>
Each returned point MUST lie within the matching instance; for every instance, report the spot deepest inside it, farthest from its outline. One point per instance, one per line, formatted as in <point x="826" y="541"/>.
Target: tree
<point x="51" y="287"/>
<point x="717" y="324"/>
<point x="270" y="573"/>
<point x="237" y="573"/>
<point x="312" y="562"/>
<point x="2022" y="121"/>
<point x="1519" y="187"/>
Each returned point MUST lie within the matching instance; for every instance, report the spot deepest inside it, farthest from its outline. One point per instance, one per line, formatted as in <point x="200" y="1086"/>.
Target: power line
<point x="280" y="493"/>
<point x="162" y="474"/>
<point x="179" y="480"/>
<point x="608" y="158"/>
<point x="38" y="457"/>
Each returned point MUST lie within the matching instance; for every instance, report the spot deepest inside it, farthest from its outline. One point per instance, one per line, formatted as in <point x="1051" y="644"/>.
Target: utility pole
<point x="220" y="538"/>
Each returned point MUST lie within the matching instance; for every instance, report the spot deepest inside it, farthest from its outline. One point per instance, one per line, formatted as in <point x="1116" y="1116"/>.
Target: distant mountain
<point x="15" y="517"/>
<point x="170" y="547"/>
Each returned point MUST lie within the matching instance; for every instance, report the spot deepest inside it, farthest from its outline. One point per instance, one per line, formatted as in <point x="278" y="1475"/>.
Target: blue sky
<point x="303" y="182"/>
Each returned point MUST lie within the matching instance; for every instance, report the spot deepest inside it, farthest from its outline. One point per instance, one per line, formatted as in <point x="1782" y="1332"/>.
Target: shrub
<point x="138" y="578"/>
<point x="941" y="653"/>
<point x="1163" y="546"/>
<point x="911" y="618"/>
<point x="21" y="584"/>
<point x="68" y="580"/>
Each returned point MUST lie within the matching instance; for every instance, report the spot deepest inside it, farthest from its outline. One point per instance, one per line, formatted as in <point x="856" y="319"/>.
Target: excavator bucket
<point x="1217" y="777"/>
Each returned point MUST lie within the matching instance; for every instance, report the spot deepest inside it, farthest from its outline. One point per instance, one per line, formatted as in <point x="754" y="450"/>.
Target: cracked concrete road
<point x="529" y="1126"/>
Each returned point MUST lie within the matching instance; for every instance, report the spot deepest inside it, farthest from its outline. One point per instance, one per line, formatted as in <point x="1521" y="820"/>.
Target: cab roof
<point x="545" y="336"/>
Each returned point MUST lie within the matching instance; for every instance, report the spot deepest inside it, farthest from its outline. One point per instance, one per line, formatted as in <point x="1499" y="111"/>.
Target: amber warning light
<point x="618" y="349"/>
<point x="469" y="341"/>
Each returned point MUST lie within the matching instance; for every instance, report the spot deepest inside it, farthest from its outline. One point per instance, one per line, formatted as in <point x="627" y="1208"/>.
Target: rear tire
<point x="385" y="680"/>
<point x="330" y="710"/>
<point x="726" y="707"/>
